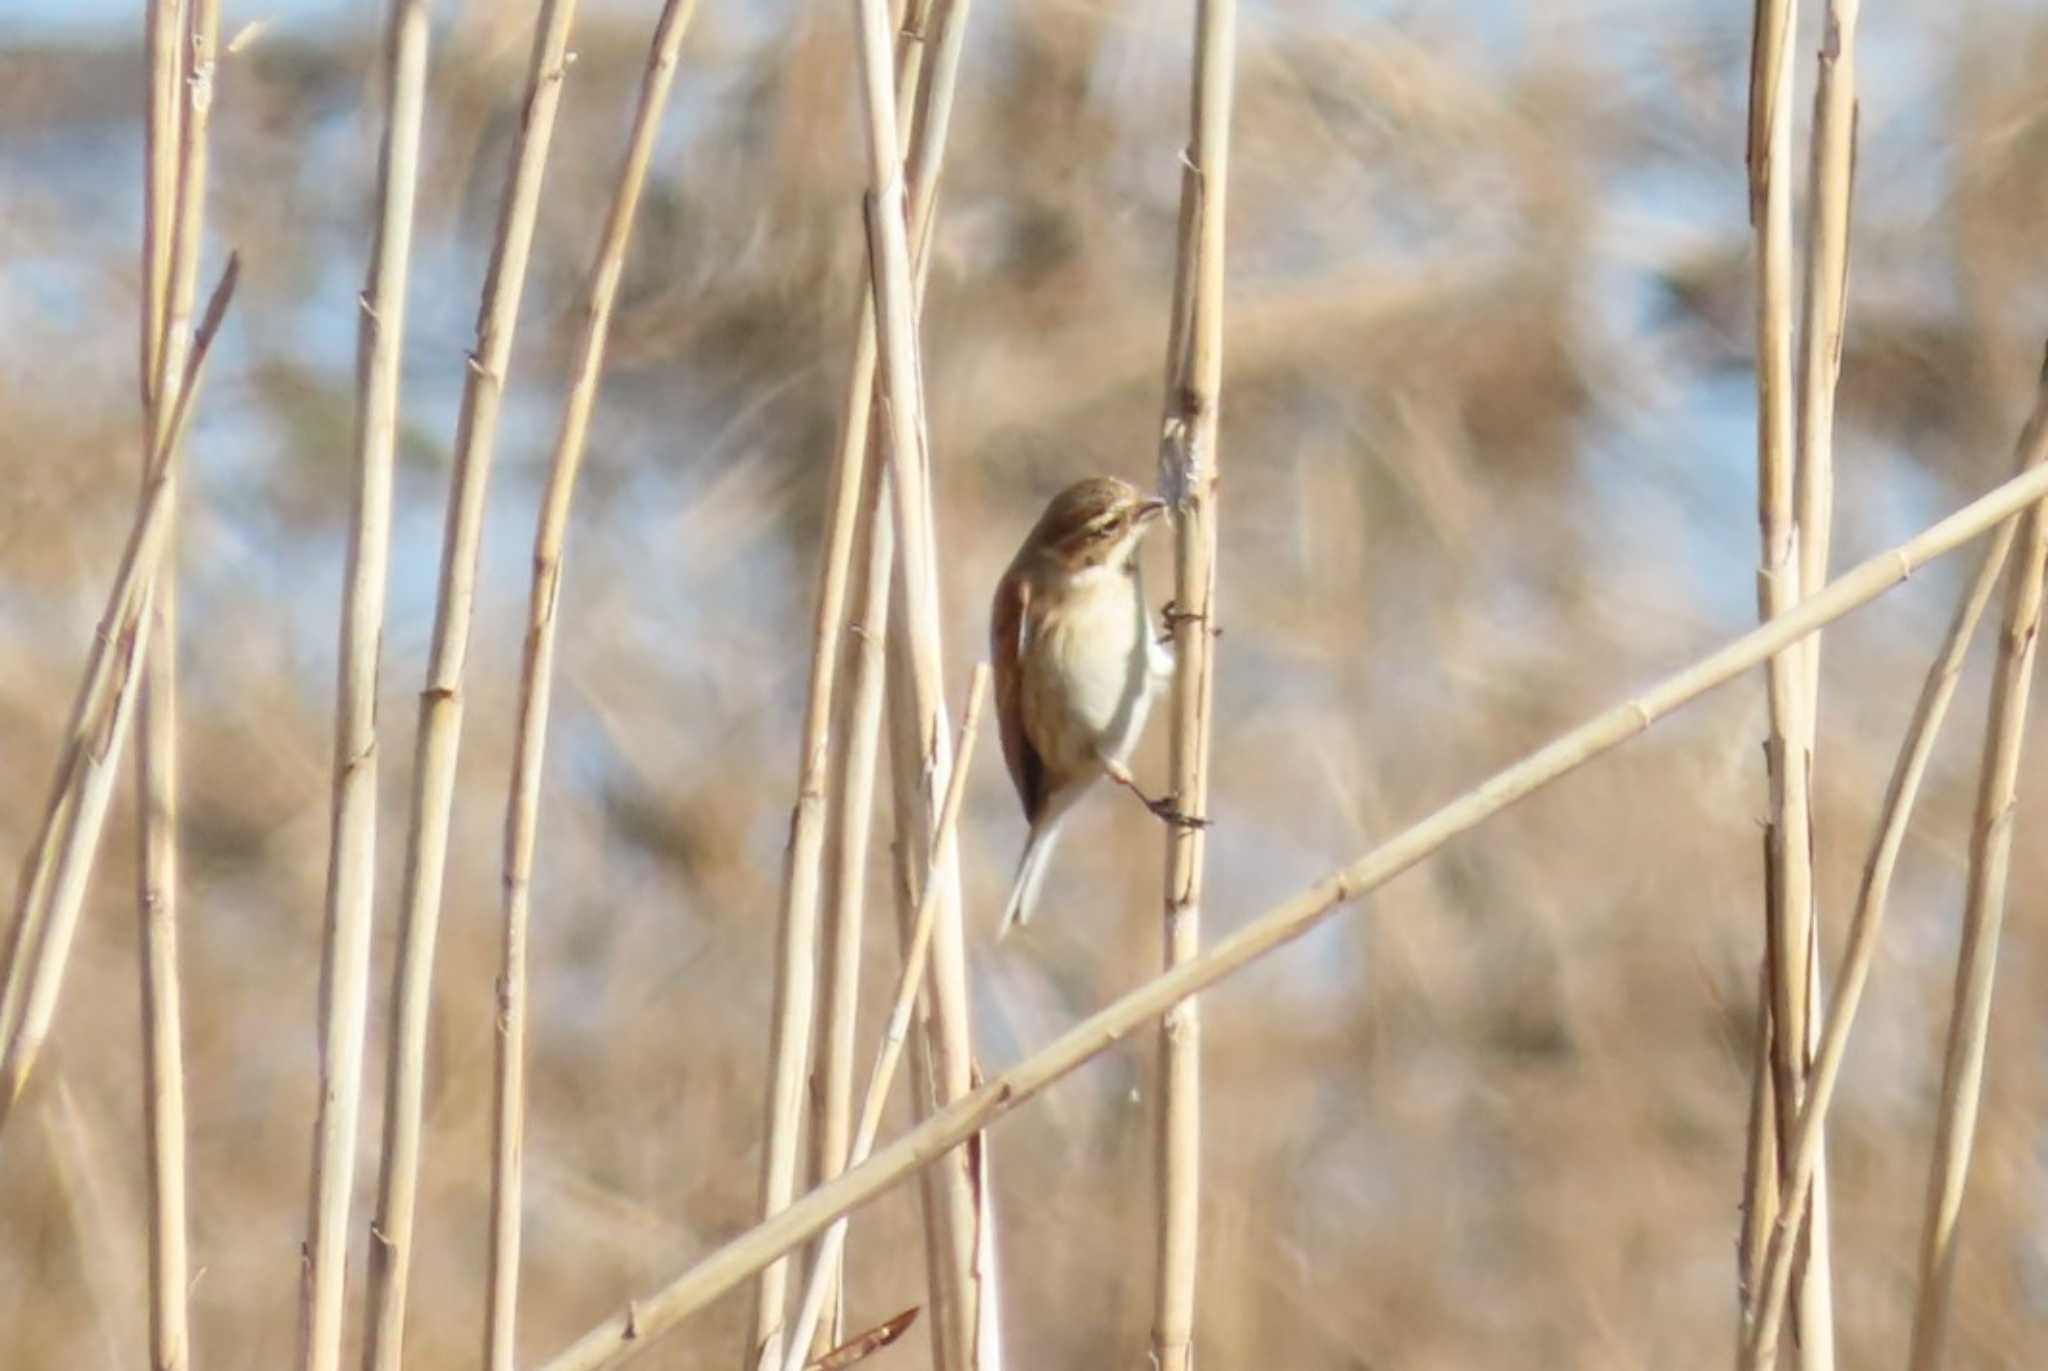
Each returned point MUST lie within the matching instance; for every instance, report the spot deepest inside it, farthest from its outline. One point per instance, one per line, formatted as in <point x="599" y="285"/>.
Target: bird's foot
<point x="1172" y="814"/>
<point x="1172" y="616"/>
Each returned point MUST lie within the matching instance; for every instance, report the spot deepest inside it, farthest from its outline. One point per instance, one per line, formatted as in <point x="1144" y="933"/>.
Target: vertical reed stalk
<point x="1187" y="460"/>
<point x="181" y="101"/>
<point x="792" y="1024"/>
<point x="439" y="735"/>
<point x="1760" y="1157"/>
<point x="163" y="1089"/>
<point x="1962" y="1073"/>
<point x="1760" y="1344"/>
<point x="851" y="815"/>
<point x="1824" y="302"/>
<point x="917" y="621"/>
<point x="1823" y="306"/>
<point x="164" y="37"/>
<point x="923" y="126"/>
<point x="482" y="398"/>
<point x="906" y="774"/>
<point x="1790" y="937"/>
<point x="1778" y="576"/>
<point x="69" y="834"/>
<point x="908" y="982"/>
<point x="536" y="679"/>
<point x="352" y="869"/>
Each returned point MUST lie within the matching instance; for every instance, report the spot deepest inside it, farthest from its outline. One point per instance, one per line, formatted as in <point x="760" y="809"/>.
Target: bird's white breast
<point x="1095" y="640"/>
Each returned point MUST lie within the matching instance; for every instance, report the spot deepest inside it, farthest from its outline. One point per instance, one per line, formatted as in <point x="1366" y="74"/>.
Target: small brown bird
<point x="1076" y="664"/>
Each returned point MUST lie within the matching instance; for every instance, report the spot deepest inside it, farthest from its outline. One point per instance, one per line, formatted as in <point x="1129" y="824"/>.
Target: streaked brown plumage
<point x="1076" y="664"/>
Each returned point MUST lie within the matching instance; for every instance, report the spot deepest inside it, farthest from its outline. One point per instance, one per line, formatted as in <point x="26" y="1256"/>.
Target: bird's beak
<point x="1150" y="510"/>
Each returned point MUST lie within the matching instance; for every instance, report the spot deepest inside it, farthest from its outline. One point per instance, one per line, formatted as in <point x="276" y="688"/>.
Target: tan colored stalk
<point x="1790" y="875"/>
<point x="1790" y="941"/>
<point x="796" y="964"/>
<point x="614" y="1341"/>
<point x="917" y="621"/>
<point x="536" y="679"/>
<point x="969" y="1197"/>
<point x="163" y="1093"/>
<point x="162" y="254"/>
<point x="352" y="865"/>
<point x="438" y="740"/>
<point x="87" y="720"/>
<point x="32" y="891"/>
<point x="1187" y="461"/>
<point x="908" y="982"/>
<point x="852" y="816"/>
<point x="77" y="810"/>
<point x="923" y="128"/>
<point x="850" y="809"/>
<point x="163" y="37"/>
<point x="1760" y="1158"/>
<point x="192" y="77"/>
<point x="1824" y="303"/>
<point x="482" y="397"/>
<point x="1825" y="299"/>
<point x="796" y="941"/>
<point x="1760" y="1347"/>
<point x="77" y="845"/>
<point x="1962" y="1071"/>
<point x="163" y="1057"/>
<point x="181" y="103"/>
<point x="909" y="873"/>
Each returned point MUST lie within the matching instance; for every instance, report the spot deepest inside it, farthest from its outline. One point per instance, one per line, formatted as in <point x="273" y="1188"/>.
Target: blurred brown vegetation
<point x="1487" y="457"/>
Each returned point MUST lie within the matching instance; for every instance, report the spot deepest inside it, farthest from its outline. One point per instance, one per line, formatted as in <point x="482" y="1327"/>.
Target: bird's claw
<point x="1172" y="814"/>
<point x="1172" y="616"/>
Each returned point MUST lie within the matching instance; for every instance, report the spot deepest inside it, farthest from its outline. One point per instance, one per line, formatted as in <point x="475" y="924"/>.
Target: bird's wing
<point x="1007" y="623"/>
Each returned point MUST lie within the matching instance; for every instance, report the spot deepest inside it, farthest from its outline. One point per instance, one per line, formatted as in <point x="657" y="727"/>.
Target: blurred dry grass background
<point x="1487" y="451"/>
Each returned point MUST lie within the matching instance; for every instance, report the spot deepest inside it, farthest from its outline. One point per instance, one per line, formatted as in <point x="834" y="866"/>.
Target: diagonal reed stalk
<point x="1790" y="938"/>
<point x="642" y="1321"/>
<point x="439" y="736"/>
<point x="1962" y="1071"/>
<point x="352" y="866"/>
<point x="908" y="982"/>
<point x="1760" y="1340"/>
<point x="923" y="126"/>
<point x="1187" y="460"/>
<point x="536" y="680"/>
<point x="165" y="254"/>
<point x="961" y="1292"/>
<point x="181" y="46"/>
<point x="70" y="831"/>
<point x="86" y="723"/>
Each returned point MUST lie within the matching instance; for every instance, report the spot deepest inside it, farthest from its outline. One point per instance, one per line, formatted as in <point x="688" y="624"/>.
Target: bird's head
<point x="1097" y="522"/>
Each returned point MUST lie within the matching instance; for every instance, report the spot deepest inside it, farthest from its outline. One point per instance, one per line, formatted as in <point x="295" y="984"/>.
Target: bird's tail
<point x="1030" y="876"/>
